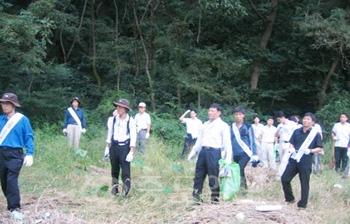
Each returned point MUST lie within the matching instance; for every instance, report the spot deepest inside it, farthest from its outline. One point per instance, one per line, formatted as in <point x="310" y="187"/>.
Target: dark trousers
<point x="207" y="164"/>
<point x="11" y="161"/>
<point x="188" y="144"/>
<point x="303" y="168"/>
<point x="242" y="162"/>
<point x="341" y="158"/>
<point x="117" y="155"/>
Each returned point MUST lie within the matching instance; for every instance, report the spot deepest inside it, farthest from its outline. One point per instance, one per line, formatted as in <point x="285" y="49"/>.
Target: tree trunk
<point x="146" y="49"/>
<point x="263" y="43"/>
<point x="322" y="94"/>
<point x="94" y="51"/>
<point x="116" y="44"/>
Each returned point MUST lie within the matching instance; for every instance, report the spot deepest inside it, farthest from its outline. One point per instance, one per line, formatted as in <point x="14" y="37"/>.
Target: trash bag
<point x="230" y="180"/>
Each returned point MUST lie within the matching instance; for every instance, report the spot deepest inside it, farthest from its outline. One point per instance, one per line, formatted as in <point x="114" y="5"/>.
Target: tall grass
<point x="161" y="183"/>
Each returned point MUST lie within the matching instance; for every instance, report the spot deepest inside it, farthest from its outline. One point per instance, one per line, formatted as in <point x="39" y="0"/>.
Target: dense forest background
<point x="266" y="55"/>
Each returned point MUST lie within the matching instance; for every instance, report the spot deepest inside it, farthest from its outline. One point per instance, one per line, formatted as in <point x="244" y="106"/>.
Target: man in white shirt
<point x="193" y="125"/>
<point x="212" y="144"/>
<point x="341" y="137"/>
<point x="268" y="140"/>
<point x="143" y="127"/>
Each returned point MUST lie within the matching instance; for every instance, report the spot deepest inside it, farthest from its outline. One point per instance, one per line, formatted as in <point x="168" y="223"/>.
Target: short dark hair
<point x="193" y="110"/>
<point x="280" y="114"/>
<point x="269" y="117"/>
<point x="217" y="106"/>
<point x="256" y="116"/>
<point x="239" y="110"/>
<point x="293" y="118"/>
<point x="343" y="113"/>
<point x="311" y="115"/>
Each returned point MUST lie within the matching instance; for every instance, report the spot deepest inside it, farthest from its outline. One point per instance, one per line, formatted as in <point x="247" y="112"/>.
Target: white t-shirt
<point x="286" y="130"/>
<point x="268" y="134"/>
<point x="257" y="130"/>
<point x="193" y="126"/>
<point x="342" y="134"/>
<point x="142" y="120"/>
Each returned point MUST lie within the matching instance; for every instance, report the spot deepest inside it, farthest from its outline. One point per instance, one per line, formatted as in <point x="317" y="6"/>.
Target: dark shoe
<point x="114" y="189"/>
<point x="214" y="200"/>
<point x="125" y="190"/>
<point x="197" y="198"/>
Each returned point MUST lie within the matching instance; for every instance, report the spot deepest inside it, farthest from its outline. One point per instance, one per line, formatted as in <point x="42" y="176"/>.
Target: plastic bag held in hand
<point x="191" y="155"/>
<point x="129" y="157"/>
<point x="28" y="161"/>
<point x="64" y="131"/>
<point x="147" y="135"/>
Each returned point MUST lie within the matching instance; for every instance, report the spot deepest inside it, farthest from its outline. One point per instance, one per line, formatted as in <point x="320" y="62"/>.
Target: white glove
<point x="306" y="151"/>
<point x="191" y="155"/>
<point x="228" y="160"/>
<point x="106" y="152"/>
<point x="291" y="150"/>
<point x="335" y="138"/>
<point x="129" y="157"/>
<point x="348" y="153"/>
<point x="188" y="111"/>
<point x="255" y="158"/>
<point x="83" y="130"/>
<point x="64" y="131"/>
<point x="147" y="135"/>
<point x="28" y="160"/>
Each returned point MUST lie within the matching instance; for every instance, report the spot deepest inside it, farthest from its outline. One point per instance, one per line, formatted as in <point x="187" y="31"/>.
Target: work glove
<point x="188" y="111"/>
<point x="291" y="150"/>
<point x="255" y="158"/>
<point x="348" y="153"/>
<point x="191" y="155"/>
<point x="306" y="151"/>
<point x="28" y="160"/>
<point x="83" y="130"/>
<point x="129" y="157"/>
<point x="147" y="135"/>
<point x="106" y="153"/>
<point x="64" y="131"/>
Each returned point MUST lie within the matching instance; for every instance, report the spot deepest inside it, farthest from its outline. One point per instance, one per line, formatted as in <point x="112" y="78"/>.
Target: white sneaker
<point x="16" y="214"/>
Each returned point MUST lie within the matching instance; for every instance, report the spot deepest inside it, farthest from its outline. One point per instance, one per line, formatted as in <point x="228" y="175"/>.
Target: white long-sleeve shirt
<point x="215" y="134"/>
<point x="121" y="130"/>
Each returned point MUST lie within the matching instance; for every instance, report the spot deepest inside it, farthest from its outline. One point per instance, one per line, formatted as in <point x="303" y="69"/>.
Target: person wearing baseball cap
<point x="143" y="127"/>
<point x="121" y="141"/>
<point x="16" y="133"/>
<point x="74" y="123"/>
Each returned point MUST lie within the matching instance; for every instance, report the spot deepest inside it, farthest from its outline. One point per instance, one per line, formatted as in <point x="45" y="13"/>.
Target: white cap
<point x="142" y="104"/>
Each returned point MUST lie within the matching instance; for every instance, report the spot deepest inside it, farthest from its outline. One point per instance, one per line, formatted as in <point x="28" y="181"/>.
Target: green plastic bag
<point x="230" y="180"/>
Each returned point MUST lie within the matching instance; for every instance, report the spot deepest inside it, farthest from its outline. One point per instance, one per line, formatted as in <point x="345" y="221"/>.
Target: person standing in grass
<point x="341" y="137"/>
<point x="268" y="140"/>
<point x="16" y="134"/>
<point x="74" y="123"/>
<point x="121" y="141"/>
<point x="212" y="144"/>
<point x="243" y="143"/>
<point x="304" y="142"/>
<point x="257" y="127"/>
<point x="143" y="127"/>
<point x="193" y="125"/>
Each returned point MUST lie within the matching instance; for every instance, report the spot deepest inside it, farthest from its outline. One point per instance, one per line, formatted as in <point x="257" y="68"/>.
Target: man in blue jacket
<point x="16" y="134"/>
<point x="243" y="142"/>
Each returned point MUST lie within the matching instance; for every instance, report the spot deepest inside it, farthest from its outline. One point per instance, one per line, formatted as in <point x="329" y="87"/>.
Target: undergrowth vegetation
<point x="161" y="182"/>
